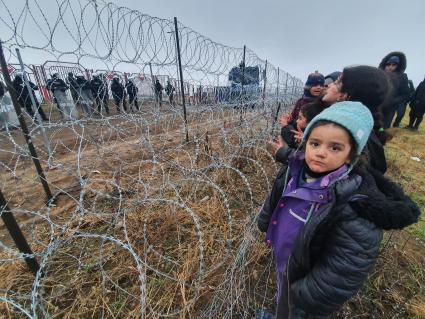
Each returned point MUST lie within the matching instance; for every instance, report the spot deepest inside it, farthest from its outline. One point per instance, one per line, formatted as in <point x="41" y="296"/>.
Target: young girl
<point x="292" y="135"/>
<point x="313" y="88"/>
<point x="324" y="216"/>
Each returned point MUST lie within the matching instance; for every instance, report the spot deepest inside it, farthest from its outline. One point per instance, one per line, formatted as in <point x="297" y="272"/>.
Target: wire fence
<point x="155" y="172"/>
<point x="155" y="176"/>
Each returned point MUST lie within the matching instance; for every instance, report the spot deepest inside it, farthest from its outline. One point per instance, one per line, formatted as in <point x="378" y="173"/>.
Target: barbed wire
<point x="145" y="223"/>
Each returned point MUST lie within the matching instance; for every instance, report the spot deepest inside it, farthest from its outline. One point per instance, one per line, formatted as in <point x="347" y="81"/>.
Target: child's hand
<point x="298" y="135"/>
<point x="274" y="144"/>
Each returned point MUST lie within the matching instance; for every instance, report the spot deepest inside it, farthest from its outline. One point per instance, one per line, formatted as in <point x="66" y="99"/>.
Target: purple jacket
<point x="295" y="207"/>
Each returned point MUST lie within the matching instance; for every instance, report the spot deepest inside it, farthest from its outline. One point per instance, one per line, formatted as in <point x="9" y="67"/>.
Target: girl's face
<point x="301" y="121"/>
<point x="333" y="92"/>
<point x="316" y="90"/>
<point x="328" y="148"/>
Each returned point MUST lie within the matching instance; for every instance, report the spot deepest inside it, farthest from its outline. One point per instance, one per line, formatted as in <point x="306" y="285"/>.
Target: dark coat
<point x="22" y="92"/>
<point x="158" y="87"/>
<point x="418" y="100"/>
<point x="98" y="87"/>
<point x="297" y="107"/>
<point x="131" y="89"/>
<point x="83" y="83"/>
<point x="169" y="88"/>
<point x="339" y="244"/>
<point x="374" y="154"/>
<point x="54" y="84"/>
<point x="399" y="81"/>
<point x="73" y="85"/>
<point x="117" y="89"/>
<point x="288" y="136"/>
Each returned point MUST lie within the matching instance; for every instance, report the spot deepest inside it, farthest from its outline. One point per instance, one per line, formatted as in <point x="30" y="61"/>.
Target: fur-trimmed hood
<point x="403" y="62"/>
<point x="386" y="205"/>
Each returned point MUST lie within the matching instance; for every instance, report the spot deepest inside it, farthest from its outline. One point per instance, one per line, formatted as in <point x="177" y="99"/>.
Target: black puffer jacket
<point x="117" y="89"/>
<point x="399" y="81"/>
<point x="338" y="246"/>
<point x="374" y="153"/>
<point x="22" y="92"/>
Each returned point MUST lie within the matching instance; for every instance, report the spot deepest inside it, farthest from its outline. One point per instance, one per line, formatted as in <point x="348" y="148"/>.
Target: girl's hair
<point x="353" y="156"/>
<point x="372" y="87"/>
<point x="310" y="110"/>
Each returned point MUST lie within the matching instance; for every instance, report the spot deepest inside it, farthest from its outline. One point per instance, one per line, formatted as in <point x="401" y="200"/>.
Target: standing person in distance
<point x="24" y="97"/>
<point x="73" y="86"/>
<point x="58" y="87"/>
<point x="394" y="64"/>
<point x="132" y="94"/>
<point x="99" y="91"/>
<point x="118" y="93"/>
<point x="417" y="107"/>
<point x="158" y="92"/>
<point x="105" y="96"/>
<point x="169" y="89"/>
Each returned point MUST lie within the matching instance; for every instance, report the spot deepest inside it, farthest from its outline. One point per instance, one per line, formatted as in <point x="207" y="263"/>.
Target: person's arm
<point x="403" y="90"/>
<point x="295" y="111"/>
<point x="288" y="136"/>
<point x="266" y="210"/>
<point x="350" y="254"/>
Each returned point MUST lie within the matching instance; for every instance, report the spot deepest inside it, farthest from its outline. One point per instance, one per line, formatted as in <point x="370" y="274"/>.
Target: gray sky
<point x="301" y="36"/>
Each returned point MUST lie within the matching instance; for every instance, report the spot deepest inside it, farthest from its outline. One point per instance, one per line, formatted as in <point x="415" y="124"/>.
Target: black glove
<point x="263" y="219"/>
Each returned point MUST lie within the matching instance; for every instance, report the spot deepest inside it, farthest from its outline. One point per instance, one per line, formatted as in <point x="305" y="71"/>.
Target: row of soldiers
<point x="86" y="93"/>
<point x="83" y="90"/>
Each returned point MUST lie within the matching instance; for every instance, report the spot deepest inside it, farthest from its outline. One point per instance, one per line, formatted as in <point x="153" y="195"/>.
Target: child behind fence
<point x="326" y="213"/>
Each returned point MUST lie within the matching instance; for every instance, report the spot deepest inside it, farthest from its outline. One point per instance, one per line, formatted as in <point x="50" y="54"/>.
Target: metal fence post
<point x="16" y="234"/>
<point x="181" y="77"/>
<point x="23" y="125"/>
<point x="265" y="82"/>
<point x="243" y="73"/>
<point x="278" y="100"/>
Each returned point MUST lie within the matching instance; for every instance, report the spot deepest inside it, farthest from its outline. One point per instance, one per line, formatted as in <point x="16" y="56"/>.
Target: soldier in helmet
<point x="99" y="90"/>
<point x="73" y="85"/>
<point x="132" y="94"/>
<point x="158" y="92"/>
<point x="58" y="87"/>
<point x="118" y="93"/>
<point x="24" y="97"/>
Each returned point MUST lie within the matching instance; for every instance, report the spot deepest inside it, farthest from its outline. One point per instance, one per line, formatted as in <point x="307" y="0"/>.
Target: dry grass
<point x="176" y="236"/>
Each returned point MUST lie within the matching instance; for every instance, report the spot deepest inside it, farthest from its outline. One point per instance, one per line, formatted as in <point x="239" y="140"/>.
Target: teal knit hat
<point x="353" y="116"/>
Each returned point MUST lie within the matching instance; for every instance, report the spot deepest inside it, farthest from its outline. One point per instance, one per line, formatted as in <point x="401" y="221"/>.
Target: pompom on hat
<point x="353" y="116"/>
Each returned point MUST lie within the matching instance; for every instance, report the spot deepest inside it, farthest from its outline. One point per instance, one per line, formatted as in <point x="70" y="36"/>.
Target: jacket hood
<point x="403" y="63"/>
<point x="386" y="204"/>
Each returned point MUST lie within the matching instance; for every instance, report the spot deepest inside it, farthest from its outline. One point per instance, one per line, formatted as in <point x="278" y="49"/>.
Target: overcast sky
<point x="301" y="36"/>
